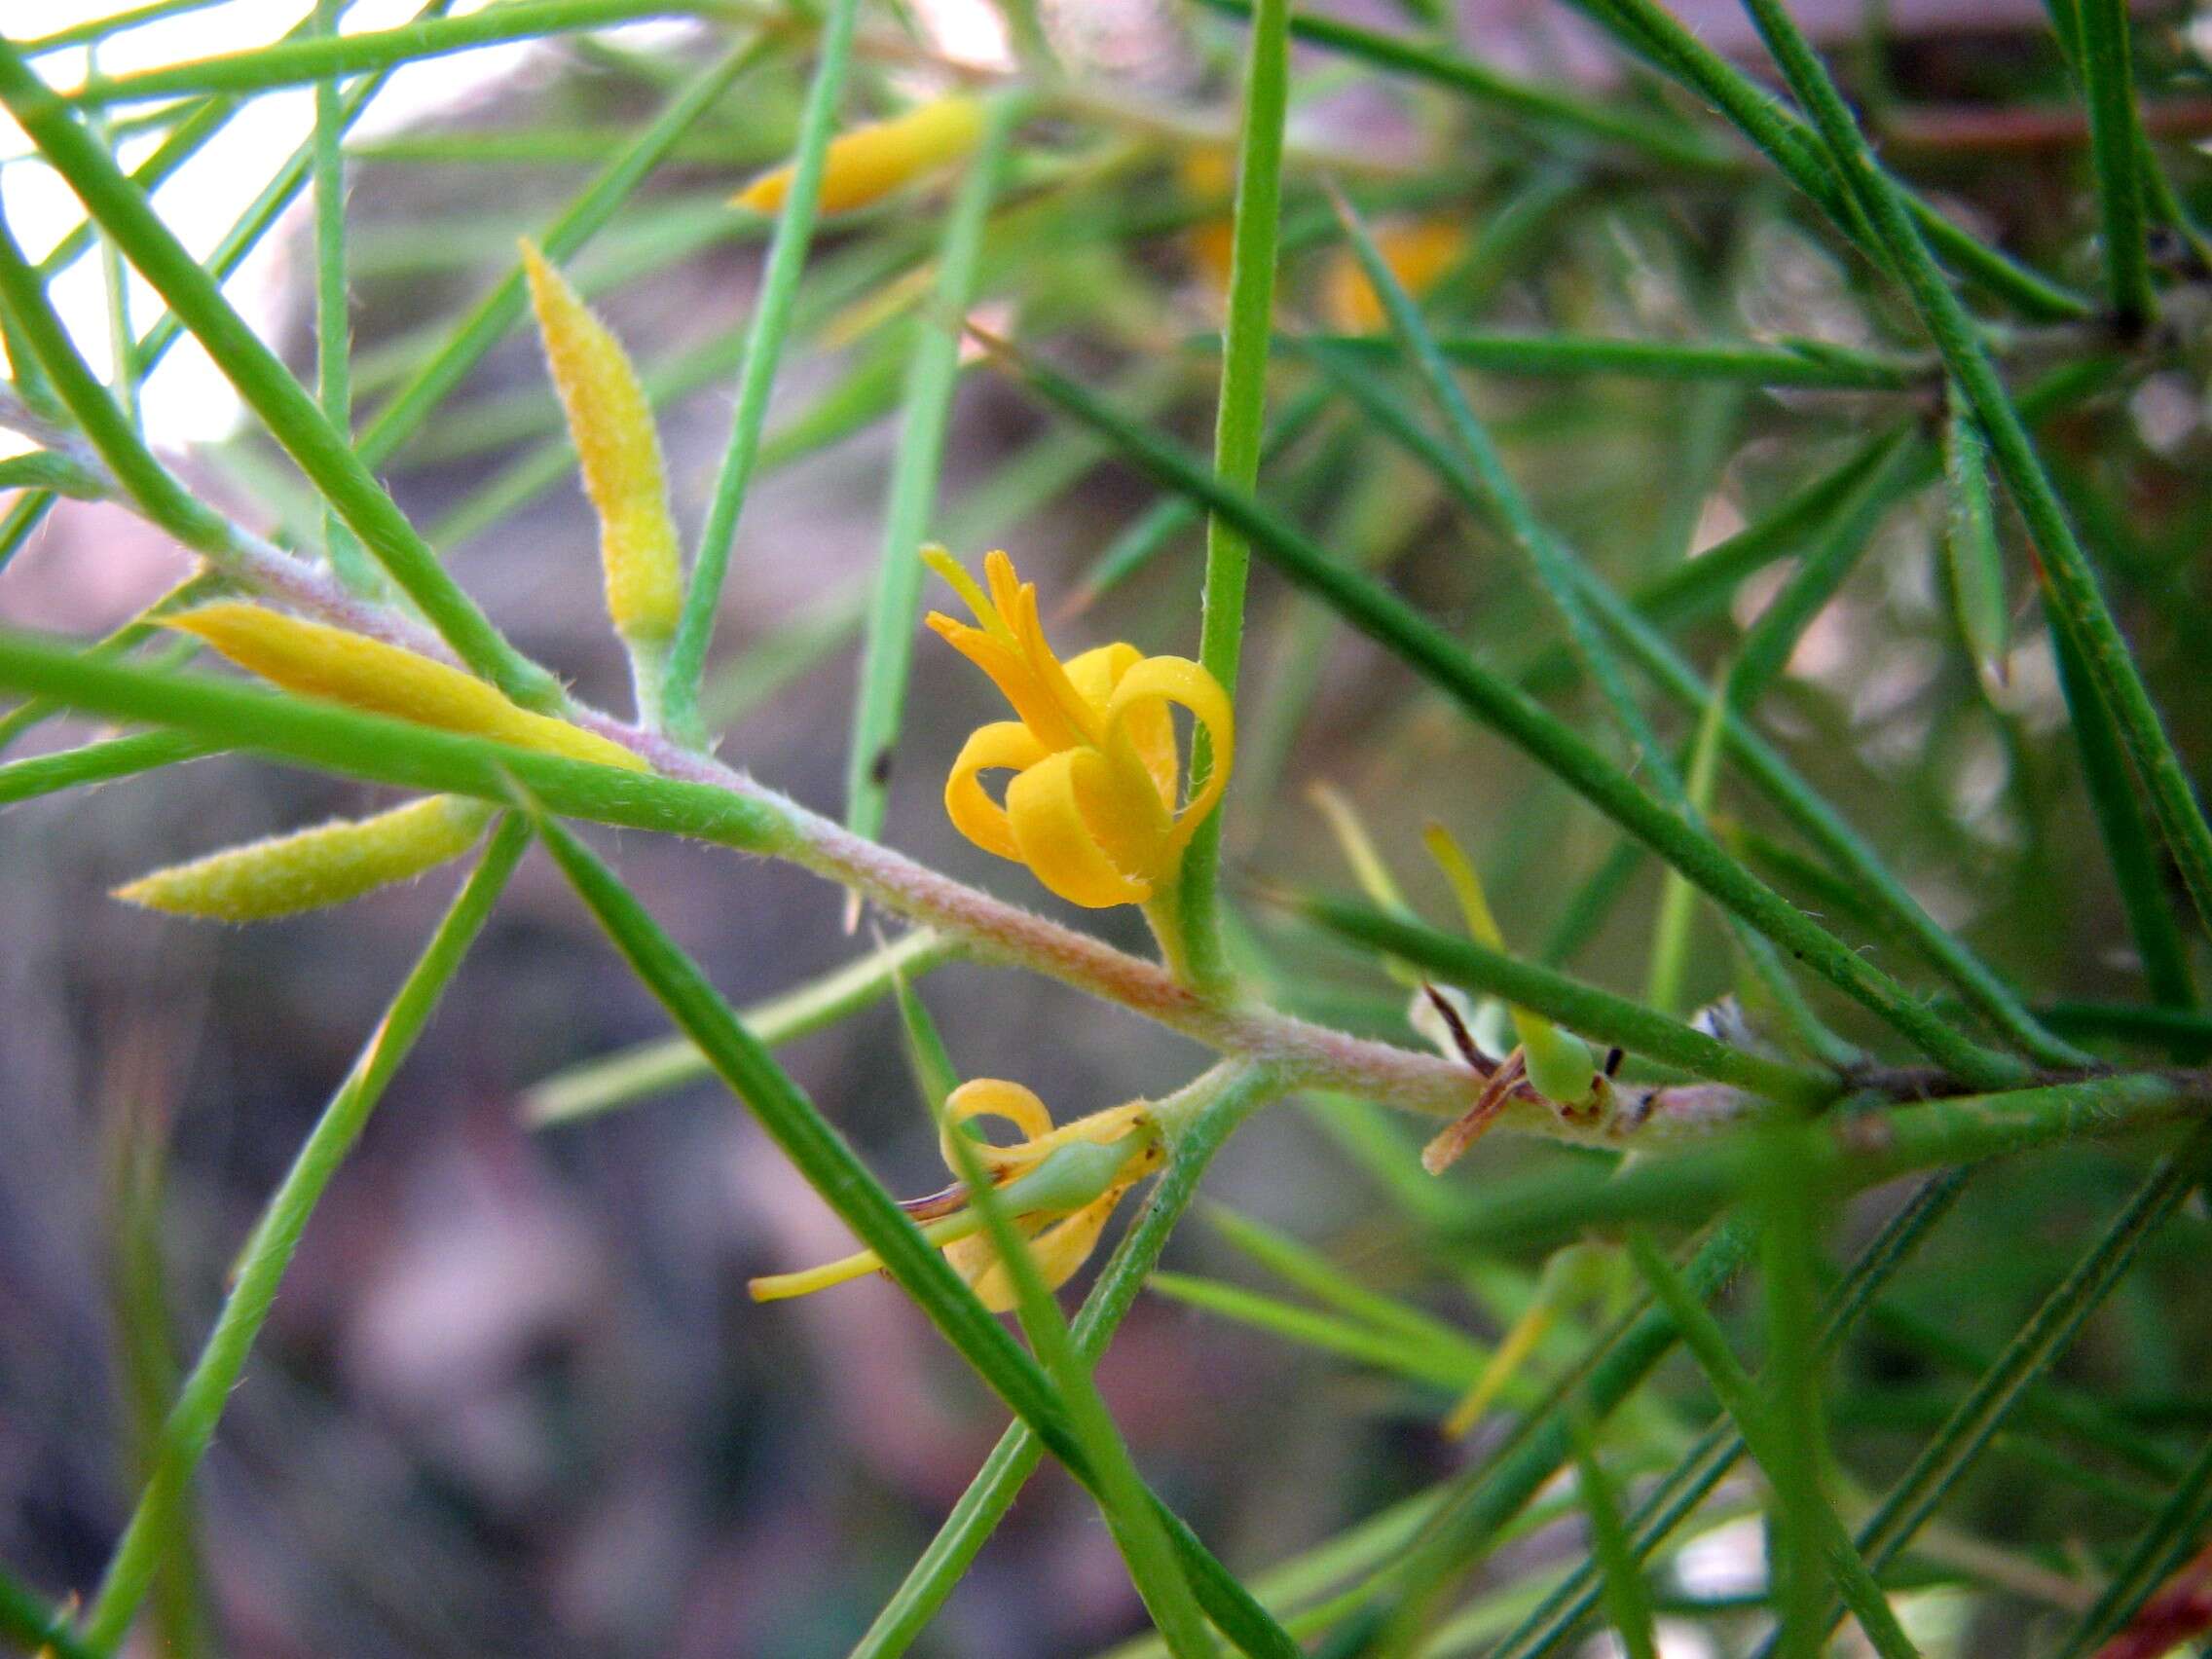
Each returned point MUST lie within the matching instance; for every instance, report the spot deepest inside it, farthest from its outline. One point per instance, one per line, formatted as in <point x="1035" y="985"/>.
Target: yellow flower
<point x="1418" y="254"/>
<point x="619" y="452"/>
<point x="1092" y="809"/>
<point x="318" y="660"/>
<point x="1059" y="1187"/>
<point x="870" y="162"/>
<point x="310" y="869"/>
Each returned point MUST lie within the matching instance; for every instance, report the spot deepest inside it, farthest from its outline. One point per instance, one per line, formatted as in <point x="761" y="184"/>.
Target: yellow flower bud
<point x="1418" y="254"/>
<point x="318" y="660"/>
<point x="612" y="427"/>
<point x="870" y="162"/>
<point x="311" y="869"/>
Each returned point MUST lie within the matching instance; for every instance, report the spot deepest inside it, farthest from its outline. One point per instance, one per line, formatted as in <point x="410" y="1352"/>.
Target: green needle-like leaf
<point x="925" y="413"/>
<point x="1225" y="1095"/>
<point x="653" y="1068"/>
<point x="2072" y="584"/>
<point x="2129" y="847"/>
<point x="860" y="1203"/>
<point x="1972" y="555"/>
<point x="297" y="63"/>
<point x="1565" y="354"/>
<point x="764" y="350"/>
<point x="1628" y="1600"/>
<point x="1766" y="649"/>
<point x="97" y="763"/>
<point x="1597" y="1014"/>
<point x="2116" y="148"/>
<point x="1450" y="1369"/>
<point x="1239" y="436"/>
<point x="267" y="387"/>
<point x="198" y="1408"/>
<point x="1767" y="1440"/>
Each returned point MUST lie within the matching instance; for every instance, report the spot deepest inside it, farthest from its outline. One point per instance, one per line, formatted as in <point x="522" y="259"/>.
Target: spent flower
<point x="1058" y="1186"/>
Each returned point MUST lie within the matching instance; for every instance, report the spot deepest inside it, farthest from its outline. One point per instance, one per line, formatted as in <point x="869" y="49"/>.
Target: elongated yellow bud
<point x="870" y="162"/>
<point x="1559" y="1063"/>
<point x="318" y="660"/>
<point x="311" y="869"/>
<point x="612" y="427"/>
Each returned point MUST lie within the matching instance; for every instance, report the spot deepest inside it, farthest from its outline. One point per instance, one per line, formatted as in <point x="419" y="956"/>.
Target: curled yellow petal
<point x="870" y="162"/>
<point x="1002" y="746"/>
<point x="1095" y="807"/>
<point x="619" y="454"/>
<point x="1057" y="1185"/>
<point x="995" y="1097"/>
<point x="1052" y="809"/>
<point x="1158" y="680"/>
<point x="1418" y="254"/>
<point x="318" y="660"/>
<point x="311" y="869"/>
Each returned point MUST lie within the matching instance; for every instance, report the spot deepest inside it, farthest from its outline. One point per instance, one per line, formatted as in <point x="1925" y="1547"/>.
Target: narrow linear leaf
<point x="1628" y="1600"/>
<point x="860" y="1202"/>
<point x="296" y="62"/>
<point x="1225" y="1095"/>
<point x="198" y="1408"/>
<point x="1971" y="553"/>
<point x="2115" y="150"/>
<point x="925" y="415"/>
<point x="291" y="417"/>
<point x="97" y="763"/>
<point x="2066" y="569"/>
<point x="1239" y="434"/>
<point x="763" y="349"/>
<point x="630" y="1075"/>
<point x="1555" y="745"/>
<point x="1701" y="1335"/>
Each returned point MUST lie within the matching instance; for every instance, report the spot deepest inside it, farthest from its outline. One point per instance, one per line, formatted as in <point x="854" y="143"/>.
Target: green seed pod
<point x="311" y="869"/>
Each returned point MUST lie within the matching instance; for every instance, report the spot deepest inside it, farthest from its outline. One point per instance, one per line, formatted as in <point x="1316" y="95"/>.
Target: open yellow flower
<point x="1059" y="1187"/>
<point x="1096" y="806"/>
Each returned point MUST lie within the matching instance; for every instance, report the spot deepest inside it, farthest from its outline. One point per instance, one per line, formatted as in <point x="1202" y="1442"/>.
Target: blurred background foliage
<point x="514" y="1398"/>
